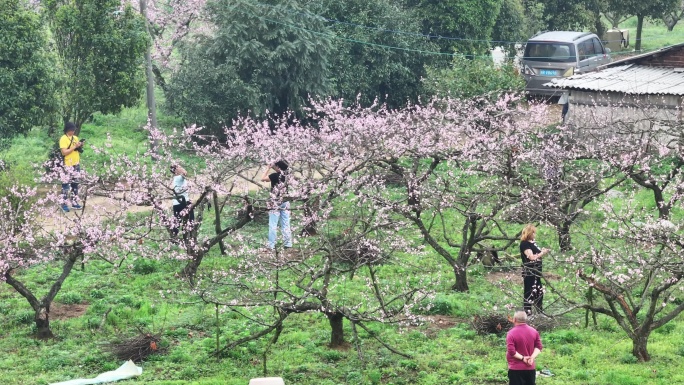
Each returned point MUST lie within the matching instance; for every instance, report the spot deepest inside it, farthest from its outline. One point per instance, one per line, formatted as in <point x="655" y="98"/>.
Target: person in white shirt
<point x="181" y="198"/>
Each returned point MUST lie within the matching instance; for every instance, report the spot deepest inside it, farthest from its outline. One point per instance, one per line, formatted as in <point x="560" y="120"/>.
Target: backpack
<point x="55" y="158"/>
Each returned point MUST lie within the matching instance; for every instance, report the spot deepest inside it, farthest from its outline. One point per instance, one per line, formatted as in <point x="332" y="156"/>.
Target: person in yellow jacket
<point x="70" y="146"/>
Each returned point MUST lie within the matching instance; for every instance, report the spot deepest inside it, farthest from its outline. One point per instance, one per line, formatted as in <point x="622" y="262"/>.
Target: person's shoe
<point x="76" y="206"/>
<point x="65" y="208"/>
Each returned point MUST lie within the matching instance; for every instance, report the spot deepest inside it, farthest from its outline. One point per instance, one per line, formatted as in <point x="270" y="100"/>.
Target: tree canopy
<point x="26" y="78"/>
<point x="100" y="46"/>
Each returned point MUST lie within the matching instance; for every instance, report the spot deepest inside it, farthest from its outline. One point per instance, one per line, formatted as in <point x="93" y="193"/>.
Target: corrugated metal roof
<point x="628" y="79"/>
<point x="637" y="58"/>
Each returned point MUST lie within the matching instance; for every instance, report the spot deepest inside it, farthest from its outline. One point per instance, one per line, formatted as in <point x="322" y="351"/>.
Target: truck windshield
<point x="551" y="52"/>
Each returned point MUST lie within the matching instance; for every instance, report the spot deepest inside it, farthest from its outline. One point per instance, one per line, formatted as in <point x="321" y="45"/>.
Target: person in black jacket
<point x="278" y="207"/>
<point x="533" y="294"/>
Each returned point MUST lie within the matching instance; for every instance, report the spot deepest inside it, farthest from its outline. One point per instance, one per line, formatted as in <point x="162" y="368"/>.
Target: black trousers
<point x="522" y="377"/>
<point x="177" y="209"/>
<point x="533" y="294"/>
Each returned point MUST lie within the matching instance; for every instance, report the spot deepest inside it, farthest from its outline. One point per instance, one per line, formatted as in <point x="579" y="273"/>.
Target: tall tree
<point x="365" y="65"/>
<point x="509" y="28"/>
<point x="462" y="26"/>
<point x="568" y="15"/>
<point x="26" y="80"/>
<point x="672" y="17"/>
<point x="100" y="47"/>
<point x="280" y="54"/>
<point x="642" y="9"/>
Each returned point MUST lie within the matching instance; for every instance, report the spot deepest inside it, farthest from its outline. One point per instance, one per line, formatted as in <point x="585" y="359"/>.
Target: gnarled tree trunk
<point x="337" y="330"/>
<point x="461" y="284"/>
<point x="640" y="348"/>
<point x="42" y="319"/>
<point x="564" y="239"/>
<point x="42" y="307"/>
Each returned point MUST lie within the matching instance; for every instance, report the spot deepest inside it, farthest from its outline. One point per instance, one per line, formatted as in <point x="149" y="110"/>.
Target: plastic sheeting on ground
<point x="126" y="371"/>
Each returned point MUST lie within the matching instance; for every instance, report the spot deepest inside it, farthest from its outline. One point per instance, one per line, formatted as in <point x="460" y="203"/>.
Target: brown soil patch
<point x="508" y="276"/>
<point x="431" y="325"/>
<point x="343" y="347"/>
<point x="440" y="322"/>
<point x="60" y="311"/>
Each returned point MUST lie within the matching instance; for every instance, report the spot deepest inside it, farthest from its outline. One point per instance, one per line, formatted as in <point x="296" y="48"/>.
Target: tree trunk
<point x="598" y="24"/>
<point x="639" y="348"/>
<point x="42" y="319"/>
<point x="217" y="222"/>
<point x="42" y="307"/>
<point x="461" y="284"/>
<point x="564" y="240"/>
<point x="337" y="330"/>
<point x="151" y="104"/>
<point x="640" y="26"/>
<point x="190" y="269"/>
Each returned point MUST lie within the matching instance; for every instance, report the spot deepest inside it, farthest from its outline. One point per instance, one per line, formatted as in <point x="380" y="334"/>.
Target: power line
<point x="418" y="34"/>
<point x="384" y="46"/>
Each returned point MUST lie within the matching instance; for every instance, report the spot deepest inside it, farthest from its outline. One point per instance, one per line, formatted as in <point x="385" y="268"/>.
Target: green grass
<point x="654" y="34"/>
<point x="146" y="295"/>
<point x="453" y="355"/>
<point x="123" y="133"/>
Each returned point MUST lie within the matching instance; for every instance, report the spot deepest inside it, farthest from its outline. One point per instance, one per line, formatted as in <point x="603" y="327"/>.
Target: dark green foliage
<point x="628" y="359"/>
<point x="70" y="298"/>
<point x="510" y="26"/>
<point x="472" y="20"/>
<point x="100" y="48"/>
<point x="643" y="9"/>
<point x="262" y="58"/>
<point x="208" y="93"/>
<point x="563" y="336"/>
<point x="568" y="15"/>
<point x="26" y="81"/>
<point x="471" y="78"/>
<point x="565" y="350"/>
<point x="361" y="65"/>
<point x="145" y="266"/>
<point x="534" y="18"/>
<point x="666" y="329"/>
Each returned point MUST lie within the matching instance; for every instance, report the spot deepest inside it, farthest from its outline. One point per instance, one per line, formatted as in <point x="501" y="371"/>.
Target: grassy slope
<point x="654" y="35"/>
<point x="143" y="294"/>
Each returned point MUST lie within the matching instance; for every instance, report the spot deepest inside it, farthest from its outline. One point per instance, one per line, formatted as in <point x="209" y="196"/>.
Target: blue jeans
<point x="73" y="183"/>
<point x="279" y="216"/>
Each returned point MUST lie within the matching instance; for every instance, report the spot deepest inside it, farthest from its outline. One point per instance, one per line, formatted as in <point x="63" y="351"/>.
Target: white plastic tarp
<point x="126" y="371"/>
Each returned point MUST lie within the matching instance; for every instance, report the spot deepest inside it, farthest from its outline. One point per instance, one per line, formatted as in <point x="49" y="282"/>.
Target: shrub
<point x="437" y="306"/>
<point x="354" y="378"/>
<point x="628" y="359"/>
<point x="408" y="364"/>
<point x="470" y="368"/>
<point x="332" y="356"/>
<point x="666" y="329"/>
<point x="565" y="350"/>
<point x="374" y="376"/>
<point x="24" y="317"/>
<point x="145" y="266"/>
<point x="472" y="78"/>
<point x="563" y="336"/>
<point x="71" y="298"/>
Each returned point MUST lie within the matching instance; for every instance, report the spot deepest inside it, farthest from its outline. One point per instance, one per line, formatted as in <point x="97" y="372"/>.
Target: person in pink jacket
<point x="523" y="345"/>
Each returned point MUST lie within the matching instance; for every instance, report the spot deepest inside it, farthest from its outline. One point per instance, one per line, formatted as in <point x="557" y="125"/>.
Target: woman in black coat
<point x="531" y="255"/>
